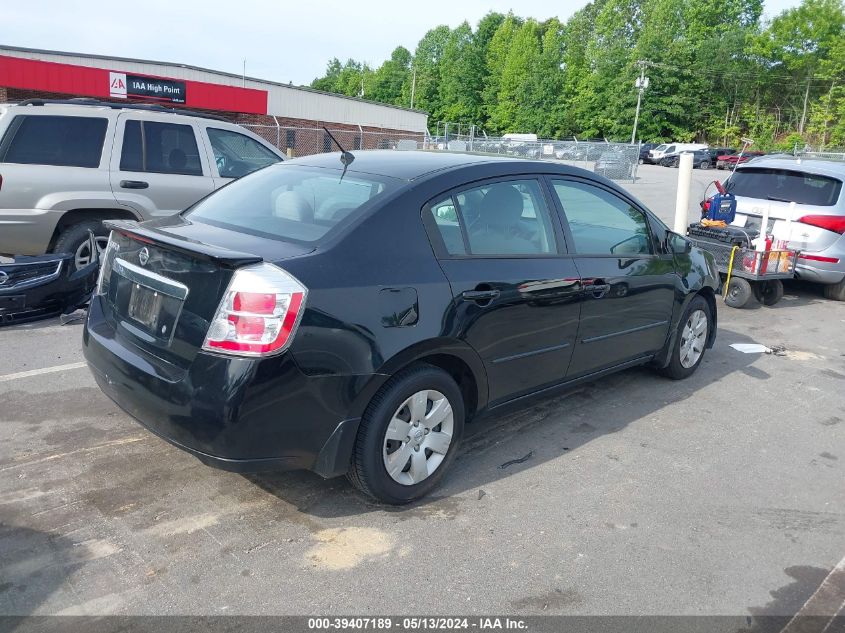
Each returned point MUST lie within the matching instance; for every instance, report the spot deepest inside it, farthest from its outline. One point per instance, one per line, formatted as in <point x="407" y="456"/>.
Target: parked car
<point x="728" y="161"/>
<point x="645" y="148"/>
<point x="40" y="286"/>
<point x="350" y="321"/>
<point x="661" y="151"/>
<point x="817" y="228"/>
<point x="615" y="165"/>
<point x="715" y="152"/>
<point x="68" y="165"/>
<point x="701" y="159"/>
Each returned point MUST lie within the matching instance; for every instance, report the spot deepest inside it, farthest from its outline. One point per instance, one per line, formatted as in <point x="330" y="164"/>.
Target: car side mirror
<point x="677" y="244"/>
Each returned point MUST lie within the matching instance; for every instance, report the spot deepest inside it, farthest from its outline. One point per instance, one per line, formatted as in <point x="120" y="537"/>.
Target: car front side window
<point x="236" y="154"/>
<point x="602" y="223"/>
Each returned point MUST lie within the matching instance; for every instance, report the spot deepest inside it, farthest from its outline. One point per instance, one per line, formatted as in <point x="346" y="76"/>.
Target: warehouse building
<point x="291" y="117"/>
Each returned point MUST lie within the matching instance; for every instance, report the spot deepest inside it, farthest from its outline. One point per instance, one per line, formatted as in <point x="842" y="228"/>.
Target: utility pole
<point x="804" y="112"/>
<point x="640" y="84"/>
<point x="413" y="87"/>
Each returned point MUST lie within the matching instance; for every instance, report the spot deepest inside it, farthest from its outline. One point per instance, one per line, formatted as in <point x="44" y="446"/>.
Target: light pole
<point x="640" y="84"/>
<point x="413" y="87"/>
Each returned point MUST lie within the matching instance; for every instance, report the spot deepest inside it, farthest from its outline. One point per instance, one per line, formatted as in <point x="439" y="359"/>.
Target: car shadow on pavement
<point x="505" y="443"/>
<point x="33" y="566"/>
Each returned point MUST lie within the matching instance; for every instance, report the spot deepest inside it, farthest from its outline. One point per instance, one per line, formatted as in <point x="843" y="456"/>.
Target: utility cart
<point x="746" y="272"/>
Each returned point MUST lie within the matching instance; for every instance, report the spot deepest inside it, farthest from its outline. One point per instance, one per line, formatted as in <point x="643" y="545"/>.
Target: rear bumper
<point x="823" y="272"/>
<point x="241" y="415"/>
<point x="817" y="274"/>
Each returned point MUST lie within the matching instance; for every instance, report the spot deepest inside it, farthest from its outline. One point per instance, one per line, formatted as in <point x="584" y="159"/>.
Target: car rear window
<point x="65" y="141"/>
<point x="786" y="185"/>
<point x="291" y="202"/>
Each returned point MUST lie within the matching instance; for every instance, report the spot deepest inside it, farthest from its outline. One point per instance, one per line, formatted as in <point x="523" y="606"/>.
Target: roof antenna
<point x="345" y="157"/>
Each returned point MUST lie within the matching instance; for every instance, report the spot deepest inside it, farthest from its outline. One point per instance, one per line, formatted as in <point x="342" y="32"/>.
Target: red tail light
<point x="259" y="313"/>
<point x="835" y="223"/>
<point x="261" y="303"/>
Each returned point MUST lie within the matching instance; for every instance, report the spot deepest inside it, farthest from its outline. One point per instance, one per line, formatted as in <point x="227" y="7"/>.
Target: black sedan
<point x="700" y="159"/>
<point x="350" y="321"/>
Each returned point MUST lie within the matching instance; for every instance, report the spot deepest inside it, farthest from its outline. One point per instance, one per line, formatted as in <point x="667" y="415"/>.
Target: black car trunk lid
<point x="161" y="289"/>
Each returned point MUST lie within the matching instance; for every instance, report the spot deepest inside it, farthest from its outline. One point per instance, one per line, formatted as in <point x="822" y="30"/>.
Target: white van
<point x="668" y="149"/>
<point x="520" y="138"/>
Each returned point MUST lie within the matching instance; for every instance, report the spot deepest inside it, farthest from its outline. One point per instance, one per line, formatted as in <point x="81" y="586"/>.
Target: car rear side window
<point x="238" y="155"/>
<point x="500" y="219"/>
<point x="291" y="202"/>
<point x="785" y="185"/>
<point x="66" y="141"/>
<point x="602" y="223"/>
<point x="161" y="148"/>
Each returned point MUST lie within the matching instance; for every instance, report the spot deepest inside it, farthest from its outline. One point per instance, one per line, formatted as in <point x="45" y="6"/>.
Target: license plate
<point x="145" y="306"/>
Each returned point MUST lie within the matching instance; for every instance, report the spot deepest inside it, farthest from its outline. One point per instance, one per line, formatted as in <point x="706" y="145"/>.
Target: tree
<point x="495" y="58"/>
<point x="798" y="40"/>
<point x="718" y="72"/>
<point x="387" y="82"/>
<point x="427" y="60"/>
<point x="515" y="109"/>
<point x="461" y="74"/>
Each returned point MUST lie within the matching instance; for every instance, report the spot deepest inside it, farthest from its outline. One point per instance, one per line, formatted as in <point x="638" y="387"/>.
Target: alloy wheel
<point x="82" y="256"/>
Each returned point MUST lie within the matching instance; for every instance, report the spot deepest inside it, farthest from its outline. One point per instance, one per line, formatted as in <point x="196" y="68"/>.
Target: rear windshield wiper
<point x="776" y="199"/>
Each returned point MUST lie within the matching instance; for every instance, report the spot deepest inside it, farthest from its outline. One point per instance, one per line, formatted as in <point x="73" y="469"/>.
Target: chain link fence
<point x="617" y="161"/>
<point x="835" y="155"/>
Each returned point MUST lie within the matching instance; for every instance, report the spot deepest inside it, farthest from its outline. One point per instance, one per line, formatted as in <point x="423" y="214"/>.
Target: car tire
<point x="705" y="164"/>
<point x="74" y="240"/>
<point x="739" y="292"/>
<point x="769" y="292"/>
<point x="835" y="292"/>
<point x="687" y="354"/>
<point x="386" y="415"/>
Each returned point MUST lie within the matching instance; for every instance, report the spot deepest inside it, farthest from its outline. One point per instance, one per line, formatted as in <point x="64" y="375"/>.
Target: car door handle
<point x="479" y="295"/>
<point x="134" y="184"/>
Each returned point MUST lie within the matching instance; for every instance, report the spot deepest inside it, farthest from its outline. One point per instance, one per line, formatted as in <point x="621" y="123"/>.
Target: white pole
<point x="413" y="87"/>
<point x="682" y="201"/>
<point x="637" y="116"/>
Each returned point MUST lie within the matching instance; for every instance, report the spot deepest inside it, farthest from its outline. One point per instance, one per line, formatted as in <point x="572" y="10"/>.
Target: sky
<point x="281" y="41"/>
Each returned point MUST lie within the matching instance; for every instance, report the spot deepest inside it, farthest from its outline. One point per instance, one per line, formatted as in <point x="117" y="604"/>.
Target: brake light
<point x="835" y="223"/>
<point x="260" y="302"/>
<point x="259" y="312"/>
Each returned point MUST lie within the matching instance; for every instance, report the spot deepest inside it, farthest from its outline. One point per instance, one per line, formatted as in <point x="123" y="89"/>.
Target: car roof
<point x="85" y="106"/>
<point x="807" y="165"/>
<point x="412" y="165"/>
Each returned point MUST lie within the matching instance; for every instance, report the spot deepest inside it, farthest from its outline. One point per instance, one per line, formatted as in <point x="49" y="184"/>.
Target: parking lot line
<point x="828" y="600"/>
<point x="38" y="372"/>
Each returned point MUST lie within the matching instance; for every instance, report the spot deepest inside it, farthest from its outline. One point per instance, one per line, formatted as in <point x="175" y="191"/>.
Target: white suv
<point x="65" y="166"/>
